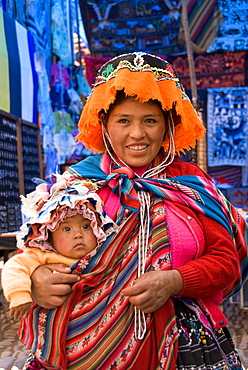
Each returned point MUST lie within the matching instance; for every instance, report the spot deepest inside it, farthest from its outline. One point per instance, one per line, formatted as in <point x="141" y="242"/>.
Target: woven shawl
<point x="197" y="192"/>
<point x="94" y="329"/>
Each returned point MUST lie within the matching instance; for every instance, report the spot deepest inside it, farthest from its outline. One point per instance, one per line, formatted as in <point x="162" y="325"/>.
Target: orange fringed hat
<point x="146" y="77"/>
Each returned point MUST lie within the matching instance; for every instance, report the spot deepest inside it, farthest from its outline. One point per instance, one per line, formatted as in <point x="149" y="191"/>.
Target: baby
<point x="66" y="223"/>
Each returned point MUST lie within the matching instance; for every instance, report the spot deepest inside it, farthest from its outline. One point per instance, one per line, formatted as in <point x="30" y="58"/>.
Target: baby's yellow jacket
<point x="18" y="269"/>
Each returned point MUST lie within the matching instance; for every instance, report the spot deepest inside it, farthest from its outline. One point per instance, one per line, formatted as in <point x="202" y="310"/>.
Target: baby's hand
<point x="21" y="310"/>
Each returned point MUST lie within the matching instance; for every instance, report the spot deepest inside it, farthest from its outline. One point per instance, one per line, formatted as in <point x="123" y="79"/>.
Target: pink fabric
<point x="187" y="243"/>
<point x="185" y="234"/>
<point x="140" y="170"/>
<point x="211" y="306"/>
<point x="92" y="66"/>
<point x="111" y="201"/>
<point x="59" y="74"/>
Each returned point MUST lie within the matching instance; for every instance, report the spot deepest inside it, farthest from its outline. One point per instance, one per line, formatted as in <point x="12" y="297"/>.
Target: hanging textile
<point x="123" y="26"/>
<point x="227" y="122"/>
<point x="18" y="79"/>
<point x="232" y="34"/>
<point x="214" y="69"/>
<point x="60" y="39"/>
<point x="204" y="17"/>
<point x="92" y="66"/>
<point x="4" y="70"/>
<point x="226" y="175"/>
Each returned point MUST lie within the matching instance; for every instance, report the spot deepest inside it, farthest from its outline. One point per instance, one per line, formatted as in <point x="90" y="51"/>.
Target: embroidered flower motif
<point x="138" y="60"/>
<point x="107" y="71"/>
<point x="81" y="265"/>
<point x="42" y="317"/>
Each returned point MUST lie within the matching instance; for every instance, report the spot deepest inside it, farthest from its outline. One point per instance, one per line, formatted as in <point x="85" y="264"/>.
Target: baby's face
<point x="74" y="237"/>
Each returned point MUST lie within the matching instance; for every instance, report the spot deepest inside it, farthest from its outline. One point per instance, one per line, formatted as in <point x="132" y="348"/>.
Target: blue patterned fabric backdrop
<point x="121" y="26"/>
<point x="227" y="126"/>
<point x="233" y="29"/>
<point x="155" y="26"/>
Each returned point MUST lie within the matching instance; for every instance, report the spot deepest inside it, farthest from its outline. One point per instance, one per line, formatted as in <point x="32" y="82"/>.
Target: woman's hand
<point x="50" y="290"/>
<point x="151" y="290"/>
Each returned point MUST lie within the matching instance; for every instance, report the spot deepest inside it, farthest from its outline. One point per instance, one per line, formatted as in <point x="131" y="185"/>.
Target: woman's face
<point x="136" y="131"/>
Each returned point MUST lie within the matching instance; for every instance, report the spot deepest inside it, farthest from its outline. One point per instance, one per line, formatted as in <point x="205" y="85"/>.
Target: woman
<point x="153" y="302"/>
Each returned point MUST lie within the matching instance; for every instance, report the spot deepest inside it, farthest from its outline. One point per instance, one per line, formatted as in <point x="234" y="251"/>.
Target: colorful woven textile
<point x="227" y="119"/>
<point x="18" y="79"/>
<point x="232" y="33"/>
<point x="204" y="17"/>
<point x="94" y="329"/>
<point x="196" y="192"/>
<point x="124" y="26"/>
<point x="92" y="66"/>
<point x="100" y="321"/>
<point x="213" y="69"/>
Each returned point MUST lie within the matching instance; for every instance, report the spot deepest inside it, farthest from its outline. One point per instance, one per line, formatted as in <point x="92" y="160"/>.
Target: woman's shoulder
<point x="88" y="168"/>
<point x="181" y="168"/>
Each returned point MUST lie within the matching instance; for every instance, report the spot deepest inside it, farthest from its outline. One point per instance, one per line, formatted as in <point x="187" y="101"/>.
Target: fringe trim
<point x="143" y="85"/>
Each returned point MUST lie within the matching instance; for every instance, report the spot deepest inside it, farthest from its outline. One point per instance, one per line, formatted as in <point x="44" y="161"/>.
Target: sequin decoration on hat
<point x="146" y="77"/>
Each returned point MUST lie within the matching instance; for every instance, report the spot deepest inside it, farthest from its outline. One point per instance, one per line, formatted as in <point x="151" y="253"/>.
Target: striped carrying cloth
<point x="198" y="193"/>
<point x="95" y="328"/>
